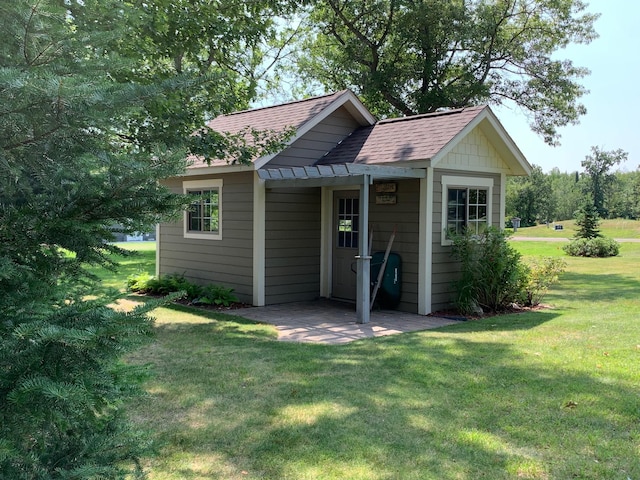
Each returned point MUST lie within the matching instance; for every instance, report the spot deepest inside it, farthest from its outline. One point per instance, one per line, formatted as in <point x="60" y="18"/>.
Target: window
<point x="348" y="218"/>
<point x="203" y="217"/>
<point x="466" y="205"/>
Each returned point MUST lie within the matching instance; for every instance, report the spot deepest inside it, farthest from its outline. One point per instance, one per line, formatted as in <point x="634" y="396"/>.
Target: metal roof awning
<point x="331" y="175"/>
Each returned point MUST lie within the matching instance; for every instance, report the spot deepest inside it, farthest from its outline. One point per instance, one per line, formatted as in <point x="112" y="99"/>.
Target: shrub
<point x="216" y="295"/>
<point x="197" y="294"/>
<point x="492" y="274"/>
<point x="592" y="247"/>
<point x="542" y="274"/>
<point x="139" y="282"/>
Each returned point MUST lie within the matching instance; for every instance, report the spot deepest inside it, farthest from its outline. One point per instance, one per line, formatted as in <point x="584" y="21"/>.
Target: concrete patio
<point x="331" y="322"/>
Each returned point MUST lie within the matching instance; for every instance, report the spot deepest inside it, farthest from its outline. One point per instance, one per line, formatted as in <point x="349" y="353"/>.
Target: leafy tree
<point x="597" y="169"/>
<point x="567" y="193"/>
<point x="624" y="198"/>
<point x="92" y="116"/>
<point x="530" y="198"/>
<point x="406" y="57"/>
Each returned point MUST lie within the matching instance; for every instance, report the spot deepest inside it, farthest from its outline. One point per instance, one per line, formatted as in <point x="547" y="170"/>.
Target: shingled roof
<point x="276" y="117"/>
<point x="299" y="115"/>
<point x="419" y="137"/>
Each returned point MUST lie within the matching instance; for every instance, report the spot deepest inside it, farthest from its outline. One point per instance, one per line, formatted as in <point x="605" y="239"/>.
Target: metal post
<point x="363" y="258"/>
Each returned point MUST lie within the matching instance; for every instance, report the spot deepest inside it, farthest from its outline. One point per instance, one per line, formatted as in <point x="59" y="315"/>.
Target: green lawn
<point x="142" y="259"/>
<point x="618" y="228"/>
<point x="550" y="394"/>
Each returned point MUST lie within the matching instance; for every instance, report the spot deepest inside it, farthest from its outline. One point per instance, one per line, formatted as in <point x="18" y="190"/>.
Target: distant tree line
<point x="556" y="196"/>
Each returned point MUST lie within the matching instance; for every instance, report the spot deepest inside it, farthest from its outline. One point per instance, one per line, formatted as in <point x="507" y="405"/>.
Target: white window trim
<point x="198" y="184"/>
<point x="450" y="181"/>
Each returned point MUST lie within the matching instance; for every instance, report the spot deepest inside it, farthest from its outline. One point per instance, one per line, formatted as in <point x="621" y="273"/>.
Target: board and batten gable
<point x="292" y="244"/>
<point x="314" y="144"/>
<point x="474" y="152"/>
<point x="227" y="261"/>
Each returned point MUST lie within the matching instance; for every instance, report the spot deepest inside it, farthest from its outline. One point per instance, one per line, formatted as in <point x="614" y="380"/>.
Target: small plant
<point x="216" y="295"/>
<point x="542" y="274"/>
<point x="592" y="247"/>
<point x="139" y="282"/>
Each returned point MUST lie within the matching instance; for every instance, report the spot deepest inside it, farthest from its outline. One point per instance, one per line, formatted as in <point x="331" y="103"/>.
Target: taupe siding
<point x="404" y="215"/>
<point x="317" y="142"/>
<point x="292" y="244"/>
<point x="445" y="269"/>
<point x="227" y="262"/>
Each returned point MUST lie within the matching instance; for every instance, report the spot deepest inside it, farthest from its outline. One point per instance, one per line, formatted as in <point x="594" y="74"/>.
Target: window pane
<point x="203" y="214"/>
<point x="482" y="197"/>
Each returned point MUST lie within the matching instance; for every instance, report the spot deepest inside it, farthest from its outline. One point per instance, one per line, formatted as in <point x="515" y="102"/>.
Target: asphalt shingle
<point x="418" y="137"/>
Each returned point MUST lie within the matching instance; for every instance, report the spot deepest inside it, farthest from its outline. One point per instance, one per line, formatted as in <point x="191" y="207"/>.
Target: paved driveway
<point x="330" y="322"/>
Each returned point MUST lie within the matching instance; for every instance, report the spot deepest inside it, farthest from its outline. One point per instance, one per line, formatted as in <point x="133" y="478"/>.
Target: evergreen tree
<point x="588" y="221"/>
<point x="87" y="130"/>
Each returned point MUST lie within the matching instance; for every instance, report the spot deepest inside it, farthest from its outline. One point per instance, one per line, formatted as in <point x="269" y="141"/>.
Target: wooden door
<point x="346" y="216"/>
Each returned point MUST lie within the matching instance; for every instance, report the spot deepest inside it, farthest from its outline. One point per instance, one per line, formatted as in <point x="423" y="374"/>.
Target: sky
<point x="613" y="104"/>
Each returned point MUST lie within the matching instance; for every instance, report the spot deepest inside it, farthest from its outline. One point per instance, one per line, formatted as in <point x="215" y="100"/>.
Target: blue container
<point x="390" y="290"/>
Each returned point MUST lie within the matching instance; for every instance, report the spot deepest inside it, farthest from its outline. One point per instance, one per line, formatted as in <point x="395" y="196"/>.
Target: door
<point x="346" y="216"/>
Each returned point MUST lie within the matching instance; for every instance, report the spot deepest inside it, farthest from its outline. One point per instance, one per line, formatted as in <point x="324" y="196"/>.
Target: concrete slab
<point x="331" y="322"/>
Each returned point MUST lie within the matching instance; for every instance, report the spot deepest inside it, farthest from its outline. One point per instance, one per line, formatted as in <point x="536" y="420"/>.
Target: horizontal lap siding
<point x="292" y="243"/>
<point x="404" y="215"/>
<point x="445" y="270"/>
<point x="316" y="143"/>
<point x="227" y="262"/>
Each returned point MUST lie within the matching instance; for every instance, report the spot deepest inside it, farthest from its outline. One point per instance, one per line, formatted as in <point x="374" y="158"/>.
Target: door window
<point x="348" y="220"/>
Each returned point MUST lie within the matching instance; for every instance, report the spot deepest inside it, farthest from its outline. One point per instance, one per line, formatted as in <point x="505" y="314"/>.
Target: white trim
<point x="450" y="181"/>
<point x="157" y="250"/>
<point x="326" y="231"/>
<point x="347" y="96"/>
<point x="216" y="170"/>
<point x="503" y="200"/>
<point x="195" y="184"/>
<point x="425" y="242"/>
<point x="259" y="241"/>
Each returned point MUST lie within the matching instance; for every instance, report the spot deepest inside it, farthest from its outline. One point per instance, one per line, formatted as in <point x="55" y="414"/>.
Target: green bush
<point x="197" y="294"/>
<point x="216" y="295"/>
<point x="592" y="247"/>
<point x="138" y="282"/>
<point x="492" y="274"/>
<point x="542" y="274"/>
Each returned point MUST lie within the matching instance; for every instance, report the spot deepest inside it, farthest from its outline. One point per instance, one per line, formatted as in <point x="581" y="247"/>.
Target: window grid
<point x="348" y="220"/>
<point x="466" y="210"/>
<point x="204" y="213"/>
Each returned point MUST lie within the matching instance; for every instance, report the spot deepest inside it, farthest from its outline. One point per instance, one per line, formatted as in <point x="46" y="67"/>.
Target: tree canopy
<point x="407" y="57"/>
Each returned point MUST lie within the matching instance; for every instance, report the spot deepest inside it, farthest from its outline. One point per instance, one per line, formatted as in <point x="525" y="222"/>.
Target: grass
<point x="141" y="259"/>
<point x="549" y="394"/>
<point x="618" y="228"/>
